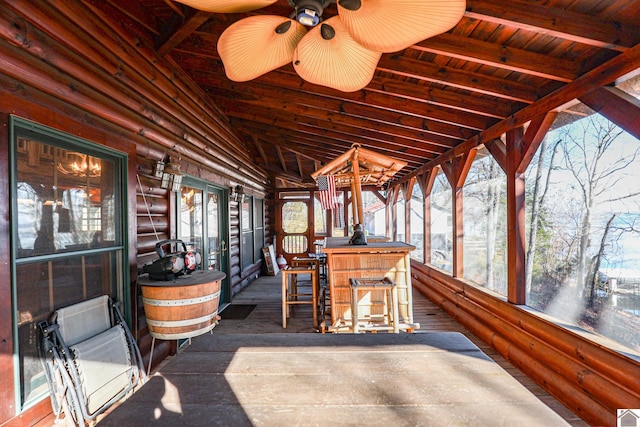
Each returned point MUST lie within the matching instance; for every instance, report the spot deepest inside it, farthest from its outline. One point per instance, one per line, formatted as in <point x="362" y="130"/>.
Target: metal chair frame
<point x="61" y="365"/>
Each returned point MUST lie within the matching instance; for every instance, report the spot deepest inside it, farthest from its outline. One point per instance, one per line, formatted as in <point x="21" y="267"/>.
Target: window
<point x="191" y="228"/>
<point x="400" y="219"/>
<point x="583" y="211"/>
<point x="374" y="214"/>
<point x="258" y="209"/>
<point x="441" y="223"/>
<point x="246" y="232"/>
<point x="485" y="224"/>
<point x="319" y="217"/>
<point x="68" y="235"/>
<point x="417" y="223"/>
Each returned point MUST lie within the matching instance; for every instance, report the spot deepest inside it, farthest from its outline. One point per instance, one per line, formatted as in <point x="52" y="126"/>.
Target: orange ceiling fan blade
<point x="227" y="6"/>
<point x="328" y="56"/>
<point x="256" y="45"/>
<point x="393" y="25"/>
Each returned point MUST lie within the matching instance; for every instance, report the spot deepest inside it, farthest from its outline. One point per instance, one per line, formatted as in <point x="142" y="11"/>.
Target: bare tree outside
<point x="585" y="204"/>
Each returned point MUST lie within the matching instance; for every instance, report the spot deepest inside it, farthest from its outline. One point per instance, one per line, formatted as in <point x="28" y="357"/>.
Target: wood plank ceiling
<point x="503" y="56"/>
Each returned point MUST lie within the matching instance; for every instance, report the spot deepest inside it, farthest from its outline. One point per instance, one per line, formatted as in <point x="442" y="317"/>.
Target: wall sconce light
<point x="158" y="169"/>
<point x="237" y="193"/>
<point x="171" y="176"/>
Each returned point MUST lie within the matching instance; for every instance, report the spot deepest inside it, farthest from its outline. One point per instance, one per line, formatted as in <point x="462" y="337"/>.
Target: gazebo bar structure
<point x="120" y="129"/>
<point x="357" y="167"/>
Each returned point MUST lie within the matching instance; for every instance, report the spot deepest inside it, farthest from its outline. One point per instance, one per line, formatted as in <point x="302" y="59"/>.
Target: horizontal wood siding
<point x="79" y="69"/>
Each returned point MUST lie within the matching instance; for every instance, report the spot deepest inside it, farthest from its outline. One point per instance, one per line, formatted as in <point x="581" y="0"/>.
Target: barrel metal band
<point x="180" y="302"/>
<point x="178" y="323"/>
<point x="183" y="335"/>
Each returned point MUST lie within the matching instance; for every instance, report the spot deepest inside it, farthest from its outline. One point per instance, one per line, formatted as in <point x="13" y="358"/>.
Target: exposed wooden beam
<point x="136" y="12"/>
<point x="258" y="144"/>
<point x="533" y="136"/>
<point x="473" y="103"/>
<point x="556" y="22"/>
<point x="600" y="76"/>
<point x="356" y="127"/>
<point x="300" y="168"/>
<point x="283" y="163"/>
<point x="405" y="148"/>
<point x="184" y="31"/>
<point x="617" y="106"/>
<point x="458" y="78"/>
<point x="500" y="56"/>
<point x="174" y="7"/>
<point x="197" y="54"/>
<point x="360" y="104"/>
<point x="357" y="116"/>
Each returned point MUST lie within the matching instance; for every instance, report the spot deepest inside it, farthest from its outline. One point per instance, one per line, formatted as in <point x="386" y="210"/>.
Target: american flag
<point x="327" y="191"/>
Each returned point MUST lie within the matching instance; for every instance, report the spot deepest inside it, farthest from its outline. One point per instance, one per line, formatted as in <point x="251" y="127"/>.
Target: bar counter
<point x="370" y="261"/>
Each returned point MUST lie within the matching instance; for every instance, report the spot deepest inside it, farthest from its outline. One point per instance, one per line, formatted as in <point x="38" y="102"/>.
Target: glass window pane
<point x="417" y="223"/>
<point x="295" y="217"/>
<point x="214" y="254"/>
<point x="64" y="200"/>
<point x="374" y="214"/>
<point x="52" y="285"/>
<point x="583" y="263"/>
<point x="246" y="222"/>
<point x="259" y="229"/>
<point x="400" y="220"/>
<point x="319" y="218"/>
<point x="191" y="212"/>
<point x="441" y="223"/>
<point x="485" y="224"/>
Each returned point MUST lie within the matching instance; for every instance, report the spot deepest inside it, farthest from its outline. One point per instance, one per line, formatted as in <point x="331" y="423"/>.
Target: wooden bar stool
<point x="291" y="292"/>
<point x="390" y="292"/>
<point x="308" y="262"/>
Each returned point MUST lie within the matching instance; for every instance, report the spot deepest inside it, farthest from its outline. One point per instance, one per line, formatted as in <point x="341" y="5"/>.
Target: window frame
<point x="41" y="134"/>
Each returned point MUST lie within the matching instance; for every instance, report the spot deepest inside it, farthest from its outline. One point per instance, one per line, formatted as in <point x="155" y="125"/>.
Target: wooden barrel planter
<point x="184" y="307"/>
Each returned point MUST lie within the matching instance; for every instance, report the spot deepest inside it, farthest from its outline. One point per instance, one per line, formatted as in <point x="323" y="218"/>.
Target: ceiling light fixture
<point x="308" y="12"/>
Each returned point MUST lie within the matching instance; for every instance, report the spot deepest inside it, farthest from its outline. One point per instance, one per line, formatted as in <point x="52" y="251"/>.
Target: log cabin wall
<point x="68" y="66"/>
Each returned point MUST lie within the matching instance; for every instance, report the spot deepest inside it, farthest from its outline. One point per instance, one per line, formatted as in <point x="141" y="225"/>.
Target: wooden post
<point x="358" y="193"/>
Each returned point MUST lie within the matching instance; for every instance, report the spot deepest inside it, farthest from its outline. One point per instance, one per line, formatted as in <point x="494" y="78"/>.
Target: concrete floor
<point x="252" y="372"/>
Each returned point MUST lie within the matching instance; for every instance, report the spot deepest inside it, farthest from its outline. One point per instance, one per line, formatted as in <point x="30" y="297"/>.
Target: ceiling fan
<point x="341" y="52"/>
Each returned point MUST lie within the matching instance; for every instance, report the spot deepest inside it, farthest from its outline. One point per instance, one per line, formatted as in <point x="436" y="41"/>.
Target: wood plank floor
<point x="265" y="319"/>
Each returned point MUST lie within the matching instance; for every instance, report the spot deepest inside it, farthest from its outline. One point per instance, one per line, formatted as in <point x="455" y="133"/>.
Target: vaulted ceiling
<point x="503" y="63"/>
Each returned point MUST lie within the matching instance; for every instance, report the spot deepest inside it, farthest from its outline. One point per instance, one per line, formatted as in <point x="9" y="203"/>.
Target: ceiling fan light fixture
<point x="308" y="17"/>
<point x="309" y="12"/>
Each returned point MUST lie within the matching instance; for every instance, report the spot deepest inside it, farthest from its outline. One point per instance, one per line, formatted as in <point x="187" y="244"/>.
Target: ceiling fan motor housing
<point x="309" y="12"/>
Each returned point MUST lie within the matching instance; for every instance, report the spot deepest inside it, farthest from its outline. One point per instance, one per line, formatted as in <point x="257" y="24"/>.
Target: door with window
<point x="203" y="226"/>
<point x="295" y="224"/>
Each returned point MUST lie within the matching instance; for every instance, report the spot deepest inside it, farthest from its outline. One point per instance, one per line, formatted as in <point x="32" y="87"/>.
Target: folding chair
<point x="90" y="359"/>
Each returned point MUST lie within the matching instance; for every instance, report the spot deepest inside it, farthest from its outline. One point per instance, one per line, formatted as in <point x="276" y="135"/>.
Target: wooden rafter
<point x="556" y="22"/>
<point x="503" y="65"/>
